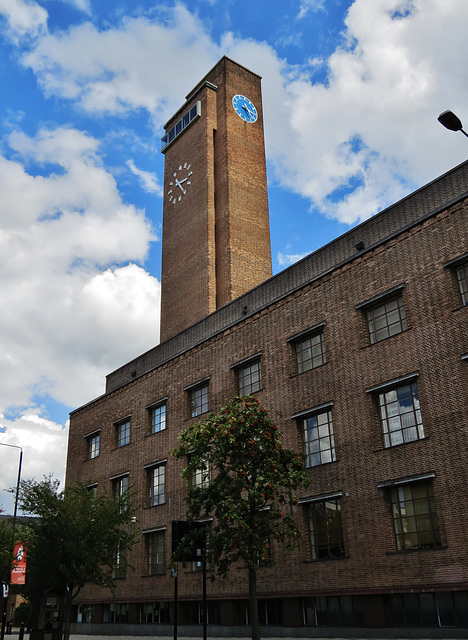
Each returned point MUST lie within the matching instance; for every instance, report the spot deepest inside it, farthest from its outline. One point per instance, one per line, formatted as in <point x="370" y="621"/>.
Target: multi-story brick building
<point x="361" y="352"/>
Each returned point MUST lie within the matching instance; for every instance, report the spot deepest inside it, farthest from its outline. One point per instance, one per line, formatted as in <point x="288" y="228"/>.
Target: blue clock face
<point x="244" y="108"/>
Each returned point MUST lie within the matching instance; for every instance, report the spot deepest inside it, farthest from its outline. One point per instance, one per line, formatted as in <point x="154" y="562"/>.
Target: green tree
<point x="75" y="538"/>
<point x="6" y="547"/>
<point x="250" y="494"/>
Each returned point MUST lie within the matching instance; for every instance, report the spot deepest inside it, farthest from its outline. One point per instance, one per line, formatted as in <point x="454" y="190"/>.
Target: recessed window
<point x="199" y="400"/>
<point x="250" y="378"/>
<point x="326" y="531"/>
<point x="155" y="551"/>
<point x="309" y="347"/>
<point x="93" y="442"/>
<point x="123" y="433"/>
<point x="201" y="477"/>
<point x="462" y="277"/>
<point x="400" y="415"/>
<point x="414" y="516"/>
<point x="157" y="484"/>
<point x="157" y="418"/>
<point x="120" y="486"/>
<point x="318" y="438"/>
<point x="386" y="319"/>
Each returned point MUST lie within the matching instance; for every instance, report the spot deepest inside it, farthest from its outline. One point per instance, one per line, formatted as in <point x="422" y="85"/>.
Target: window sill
<point x="324" y="464"/>
<point x="297" y="374"/>
<point x="440" y="547"/>
<point x="152" y="506"/>
<point x="401" y="444"/>
<point x="460" y="308"/>
<point x="345" y="557"/>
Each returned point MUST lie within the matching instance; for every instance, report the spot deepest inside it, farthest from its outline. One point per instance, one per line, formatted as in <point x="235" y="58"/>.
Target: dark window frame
<point x="152" y="409"/>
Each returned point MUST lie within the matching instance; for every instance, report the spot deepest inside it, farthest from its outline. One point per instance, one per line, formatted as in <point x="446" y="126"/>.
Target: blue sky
<point x="351" y="92"/>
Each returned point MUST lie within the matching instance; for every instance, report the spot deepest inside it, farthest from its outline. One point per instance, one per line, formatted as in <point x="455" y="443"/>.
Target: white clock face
<point x="180" y="183"/>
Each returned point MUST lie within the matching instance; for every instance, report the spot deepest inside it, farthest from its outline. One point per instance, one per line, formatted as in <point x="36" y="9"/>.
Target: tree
<point x="6" y="547"/>
<point x="250" y="493"/>
<point x="75" y="539"/>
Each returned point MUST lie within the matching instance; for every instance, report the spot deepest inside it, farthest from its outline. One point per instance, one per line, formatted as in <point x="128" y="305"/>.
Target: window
<point x="386" y="319"/>
<point x="310" y="349"/>
<point x="459" y="267"/>
<point x="414" y="516"/>
<point x="326" y="533"/>
<point x="386" y="315"/>
<point x="317" y="434"/>
<point x="93" y="441"/>
<point x="462" y="277"/>
<point x="250" y="378"/>
<point x="157" y="484"/>
<point x="201" y="477"/>
<point x="199" y="400"/>
<point x="120" y="486"/>
<point x="400" y="415"/>
<point x="120" y="567"/>
<point x="92" y="488"/>
<point x="123" y="433"/>
<point x="157" y="418"/>
<point x="155" y="550"/>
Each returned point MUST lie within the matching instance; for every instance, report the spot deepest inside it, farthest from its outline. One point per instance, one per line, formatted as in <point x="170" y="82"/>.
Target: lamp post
<point x="452" y="122"/>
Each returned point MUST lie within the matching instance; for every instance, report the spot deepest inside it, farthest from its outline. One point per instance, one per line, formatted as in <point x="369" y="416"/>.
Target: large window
<point x="201" y="477"/>
<point x="199" y="400"/>
<point x="120" y="486"/>
<point x="157" y="417"/>
<point x="400" y="415"/>
<point x="325" y="526"/>
<point x="310" y="350"/>
<point x="317" y="434"/>
<point x="414" y="516"/>
<point x="157" y="484"/>
<point x="123" y="433"/>
<point x="92" y="444"/>
<point x="250" y="378"/>
<point x="155" y="551"/>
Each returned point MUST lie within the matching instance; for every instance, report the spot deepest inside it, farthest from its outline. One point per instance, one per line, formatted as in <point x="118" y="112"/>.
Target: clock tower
<point x="216" y="238"/>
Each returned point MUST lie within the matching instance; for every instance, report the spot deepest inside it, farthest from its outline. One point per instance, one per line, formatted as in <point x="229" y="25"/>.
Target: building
<point x="362" y="350"/>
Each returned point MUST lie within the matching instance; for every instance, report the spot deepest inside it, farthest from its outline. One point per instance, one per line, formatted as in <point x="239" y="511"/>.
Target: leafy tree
<point x="75" y="538"/>
<point x="250" y="494"/>
<point x="6" y="547"/>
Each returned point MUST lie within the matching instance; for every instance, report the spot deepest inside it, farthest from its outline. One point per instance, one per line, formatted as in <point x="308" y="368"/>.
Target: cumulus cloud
<point x="23" y="18"/>
<point x="286" y="259"/>
<point x="70" y="311"/>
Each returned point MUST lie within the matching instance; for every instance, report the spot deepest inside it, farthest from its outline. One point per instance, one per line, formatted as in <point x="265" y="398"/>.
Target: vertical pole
<point x="175" y="573"/>
<point x="205" y="612"/>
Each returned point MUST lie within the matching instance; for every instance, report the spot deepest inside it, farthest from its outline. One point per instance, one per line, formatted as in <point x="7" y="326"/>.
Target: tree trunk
<point x="67" y="607"/>
<point x="253" y="605"/>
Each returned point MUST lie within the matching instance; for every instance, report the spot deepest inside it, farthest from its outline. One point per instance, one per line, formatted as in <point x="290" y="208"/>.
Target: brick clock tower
<point x="216" y="237"/>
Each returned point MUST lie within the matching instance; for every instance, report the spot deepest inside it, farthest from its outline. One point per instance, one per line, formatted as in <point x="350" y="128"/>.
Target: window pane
<point x="156" y="553"/>
<point x="462" y="275"/>
<point x="414" y="518"/>
<point x="199" y="400"/>
<point x="319" y="443"/>
<point x="310" y="353"/>
<point x="386" y="319"/>
<point x="326" y="534"/>
<point x="400" y="416"/>
<point x="250" y="379"/>
<point x="123" y="433"/>
<point x="157" y="478"/>
<point x="93" y="446"/>
<point x="158" y="418"/>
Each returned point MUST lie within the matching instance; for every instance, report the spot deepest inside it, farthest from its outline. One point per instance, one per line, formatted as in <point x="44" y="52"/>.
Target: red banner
<point x="18" y="572"/>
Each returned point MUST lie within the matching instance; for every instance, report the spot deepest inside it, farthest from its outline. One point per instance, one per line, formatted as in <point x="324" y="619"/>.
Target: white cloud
<point x="69" y="311"/>
<point x="44" y="446"/>
<point x="23" y="18"/>
<point x="125" y="67"/>
<point x="286" y="259"/>
<point x="148" y="180"/>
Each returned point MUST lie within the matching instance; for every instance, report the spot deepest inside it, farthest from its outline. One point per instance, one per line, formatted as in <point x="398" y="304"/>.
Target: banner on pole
<point x="18" y="572"/>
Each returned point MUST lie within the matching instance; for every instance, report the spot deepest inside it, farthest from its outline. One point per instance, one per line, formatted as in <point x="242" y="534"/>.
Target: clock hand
<point x="178" y="183"/>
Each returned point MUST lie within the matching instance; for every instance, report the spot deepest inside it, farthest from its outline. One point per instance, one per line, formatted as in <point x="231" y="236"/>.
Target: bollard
<point x="21" y="632"/>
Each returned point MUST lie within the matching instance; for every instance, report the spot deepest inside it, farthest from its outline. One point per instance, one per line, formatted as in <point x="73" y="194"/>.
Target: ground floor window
<point x="155" y="613"/>
<point x="116" y="612"/>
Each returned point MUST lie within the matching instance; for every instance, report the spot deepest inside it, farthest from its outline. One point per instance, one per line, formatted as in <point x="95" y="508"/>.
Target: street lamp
<point x="450" y="121"/>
